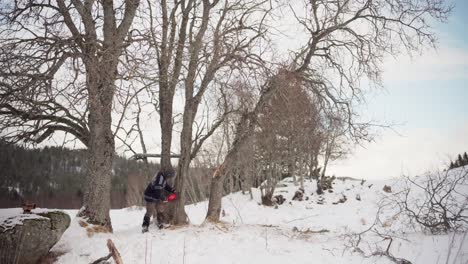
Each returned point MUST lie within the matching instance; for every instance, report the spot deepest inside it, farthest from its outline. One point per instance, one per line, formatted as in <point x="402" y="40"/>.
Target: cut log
<point x="114" y="252"/>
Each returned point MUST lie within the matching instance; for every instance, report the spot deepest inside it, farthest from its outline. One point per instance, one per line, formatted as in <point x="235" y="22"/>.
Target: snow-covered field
<point x="251" y="233"/>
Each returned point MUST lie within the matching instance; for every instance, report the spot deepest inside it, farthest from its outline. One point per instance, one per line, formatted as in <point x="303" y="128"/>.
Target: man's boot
<point x="160" y="219"/>
<point x="146" y="221"/>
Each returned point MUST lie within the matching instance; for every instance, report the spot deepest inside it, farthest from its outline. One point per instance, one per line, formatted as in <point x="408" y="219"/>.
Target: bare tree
<point x="200" y="41"/>
<point x="244" y="130"/>
<point x="288" y="122"/>
<point x="334" y="141"/>
<point x="58" y="68"/>
<point x="347" y="41"/>
<point x="441" y="205"/>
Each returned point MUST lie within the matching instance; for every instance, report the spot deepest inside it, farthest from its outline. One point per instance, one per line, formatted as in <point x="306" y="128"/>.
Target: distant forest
<point x="53" y="177"/>
<point x="459" y="162"/>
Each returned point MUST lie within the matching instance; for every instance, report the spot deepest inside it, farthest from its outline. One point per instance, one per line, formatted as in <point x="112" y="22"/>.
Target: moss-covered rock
<point x="26" y="238"/>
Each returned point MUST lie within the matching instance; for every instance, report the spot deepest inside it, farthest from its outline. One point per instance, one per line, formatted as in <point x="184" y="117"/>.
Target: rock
<point x="267" y="200"/>
<point x="358" y="197"/>
<point x="321" y="200"/>
<point x="343" y="199"/>
<point x="278" y="199"/>
<point x="28" y="237"/>
<point x="327" y="182"/>
<point x="299" y="195"/>
<point x="387" y="189"/>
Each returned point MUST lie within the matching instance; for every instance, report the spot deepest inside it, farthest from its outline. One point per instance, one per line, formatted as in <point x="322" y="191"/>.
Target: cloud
<point x="417" y="151"/>
<point x="443" y="64"/>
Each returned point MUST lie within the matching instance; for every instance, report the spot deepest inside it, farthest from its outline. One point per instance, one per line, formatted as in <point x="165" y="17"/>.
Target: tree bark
<point x="244" y="131"/>
<point x="216" y="195"/>
<point x="180" y="217"/>
<point x="101" y="73"/>
<point x="101" y="90"/>
<point x="166" y="102"/>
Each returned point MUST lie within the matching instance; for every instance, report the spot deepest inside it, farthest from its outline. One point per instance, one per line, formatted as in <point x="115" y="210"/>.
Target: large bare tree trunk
<point x="100" y="82"/>
<point x="97" y="195"/>
<point x="101" y="74"/>
<point x="216" y="195"/>
<point x="166" y="101"/>
<point x="180" y="217"/>
<point x="244" y="131"/>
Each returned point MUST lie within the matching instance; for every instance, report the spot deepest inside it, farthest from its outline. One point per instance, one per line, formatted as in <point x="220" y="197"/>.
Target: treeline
<point x="459" y="162"/>
<point x="219" y="54"/>
<point x="53" y="177"/>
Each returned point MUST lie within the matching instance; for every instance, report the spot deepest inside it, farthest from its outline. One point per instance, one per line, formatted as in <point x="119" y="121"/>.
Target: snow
<point x="252" y="233"/>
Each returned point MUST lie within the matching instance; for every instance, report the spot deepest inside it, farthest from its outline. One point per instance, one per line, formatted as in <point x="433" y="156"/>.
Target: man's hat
<point x="168" y="173"/>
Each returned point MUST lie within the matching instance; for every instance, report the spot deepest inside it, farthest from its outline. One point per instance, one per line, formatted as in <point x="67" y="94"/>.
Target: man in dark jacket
<point x="155" y="197"/>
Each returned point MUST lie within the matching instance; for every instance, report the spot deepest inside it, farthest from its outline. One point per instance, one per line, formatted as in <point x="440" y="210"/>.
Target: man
<point x="155" y="198"/>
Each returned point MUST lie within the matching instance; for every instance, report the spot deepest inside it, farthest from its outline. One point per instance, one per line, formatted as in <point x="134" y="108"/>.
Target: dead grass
<point x="176" y="227"/>
<point x="309" y="231"/>
<point x="90" y="231"/>
<point x="94" y="229"/>
<point x="51" y="257"/>
<point x="389" y="222"/>
<point x="82" y="223"/>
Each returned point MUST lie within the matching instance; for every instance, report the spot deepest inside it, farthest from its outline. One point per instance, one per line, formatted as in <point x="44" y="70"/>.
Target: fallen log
<point x="100" y="260"/>
<point x="113" y="252"/>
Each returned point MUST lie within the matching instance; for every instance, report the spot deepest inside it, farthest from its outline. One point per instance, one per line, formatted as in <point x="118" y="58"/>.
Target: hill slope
<point x="296" y="232"/>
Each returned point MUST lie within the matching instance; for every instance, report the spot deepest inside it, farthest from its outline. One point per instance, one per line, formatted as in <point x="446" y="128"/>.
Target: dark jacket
<point x="155" y="191"/>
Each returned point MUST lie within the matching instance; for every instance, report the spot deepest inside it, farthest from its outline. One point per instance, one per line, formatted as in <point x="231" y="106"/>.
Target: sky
<point x="426" y="98"/>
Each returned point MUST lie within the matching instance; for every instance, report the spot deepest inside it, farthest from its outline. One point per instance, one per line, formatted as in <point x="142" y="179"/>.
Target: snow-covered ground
<point x="251" y="233"/>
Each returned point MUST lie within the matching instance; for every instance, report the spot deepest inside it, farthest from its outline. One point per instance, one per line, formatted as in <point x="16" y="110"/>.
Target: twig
<point x="99" y="260"/>
<point x="146" y="248"/>
<point x="237" y="209"/>
<point x="183" y="259"/>
<point x="356" y="239"/>
<point x="151" y="250"/>
<point x="452" y="242"/>
<point x="298" y="219"/>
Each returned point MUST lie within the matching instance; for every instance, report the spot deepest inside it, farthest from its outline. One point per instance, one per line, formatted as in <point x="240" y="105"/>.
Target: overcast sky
<point x="427" y="97"/>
